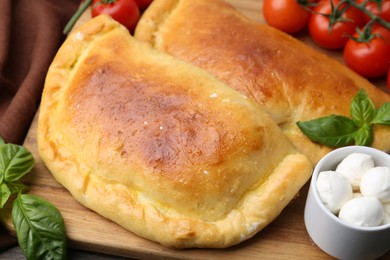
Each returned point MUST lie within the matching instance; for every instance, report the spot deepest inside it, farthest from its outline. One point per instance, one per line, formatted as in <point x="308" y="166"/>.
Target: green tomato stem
<point x="76" y="16"/>
<point x="107" y="1"/>
<point x="362" y="7"/>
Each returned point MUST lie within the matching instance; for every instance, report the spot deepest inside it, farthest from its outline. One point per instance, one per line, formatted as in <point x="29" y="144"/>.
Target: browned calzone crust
<point x="289" y="79"/>
<point x="160" y="146"/>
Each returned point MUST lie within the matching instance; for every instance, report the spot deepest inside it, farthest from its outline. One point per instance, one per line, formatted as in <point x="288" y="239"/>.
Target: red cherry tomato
<point x="143" y="4"/>
<point x="369" y="59"/>
<point x="285" y="15"/>
<point x="382" y="10"/>
<point x="337" y="37"/>
<point x="125" y="12"/>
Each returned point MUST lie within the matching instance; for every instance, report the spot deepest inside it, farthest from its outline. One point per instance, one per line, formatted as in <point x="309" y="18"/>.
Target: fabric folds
<point x="30" y="34"/>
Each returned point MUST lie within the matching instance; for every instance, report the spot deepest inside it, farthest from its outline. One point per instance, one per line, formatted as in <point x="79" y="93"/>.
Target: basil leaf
<point x="17" y="187"/>
<point x="15" y="161"/>
<point x="364" y="136"/>
<point x="6" y="189"/>
<point x="4" y="194"/>
<point x="383" y="115"/>
<point x="362" y="108"/>
<point x="39" y="227"/>
<point x="335" y="130"/>
<point x="1" y="141"/>
<point x="332" y="131"/>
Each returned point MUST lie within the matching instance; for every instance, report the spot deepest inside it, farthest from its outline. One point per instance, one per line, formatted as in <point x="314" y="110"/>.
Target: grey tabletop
<point x="15" y="253"/>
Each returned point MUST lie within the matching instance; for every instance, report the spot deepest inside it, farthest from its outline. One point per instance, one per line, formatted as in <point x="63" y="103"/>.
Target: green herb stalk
<point x="39" y="226"/>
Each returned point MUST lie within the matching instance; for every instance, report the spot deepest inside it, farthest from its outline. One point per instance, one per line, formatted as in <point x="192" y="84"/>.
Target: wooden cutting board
<point x="284" y="238"/>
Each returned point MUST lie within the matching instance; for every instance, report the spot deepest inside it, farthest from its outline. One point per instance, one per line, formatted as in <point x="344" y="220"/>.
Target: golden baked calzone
<point x="290" y="80"/>
<point x="160" y="146"/>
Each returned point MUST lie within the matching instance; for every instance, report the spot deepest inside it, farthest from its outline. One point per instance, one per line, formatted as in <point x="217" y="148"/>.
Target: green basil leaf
<point x="362" y="108"/>
<point x="332" y="131"/>
<point x="4" y="194"/>
<point x="15" y="161"/>
<point x="383" y="115"/>
<point x="39" y="227"/>
<point x="6" y="189"/>
<point x="364" y="136"/>
<point x="17" y="187"/>
<point x="1" y="141"/>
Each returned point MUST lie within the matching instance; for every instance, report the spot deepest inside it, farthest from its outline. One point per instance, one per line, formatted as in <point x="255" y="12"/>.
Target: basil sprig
<point x="38" y="224"/>
<point x="15" y="162"/>
<point x="336" y="130"/>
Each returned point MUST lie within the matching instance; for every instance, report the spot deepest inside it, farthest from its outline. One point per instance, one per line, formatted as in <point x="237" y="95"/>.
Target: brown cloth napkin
<point x="30" y="35"/>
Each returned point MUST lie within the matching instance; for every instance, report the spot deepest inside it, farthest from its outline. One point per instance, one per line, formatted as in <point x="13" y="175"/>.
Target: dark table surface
<point x="15" y="253"/>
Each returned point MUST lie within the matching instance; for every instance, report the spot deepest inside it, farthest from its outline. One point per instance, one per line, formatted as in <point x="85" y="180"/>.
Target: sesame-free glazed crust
<point x="160" y="146"/>
<point x="289" y="79"/>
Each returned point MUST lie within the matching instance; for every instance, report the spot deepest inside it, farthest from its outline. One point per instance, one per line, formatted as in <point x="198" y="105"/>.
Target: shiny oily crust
<point x="160" y="146"/>
<point x="290" y="80"/>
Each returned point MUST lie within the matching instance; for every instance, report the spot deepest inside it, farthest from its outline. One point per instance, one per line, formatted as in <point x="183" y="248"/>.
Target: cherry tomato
<point x="337" y="36"/>
<point x="369" y="59"/>
<point x="382" y="10"/>
<point x="285" y="15"/>
<point x="143" y="4"/>
<point x="125" y="12"/>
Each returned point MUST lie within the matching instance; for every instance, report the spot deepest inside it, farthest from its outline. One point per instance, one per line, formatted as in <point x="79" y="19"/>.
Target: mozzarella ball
<point x="354" y="166"/>
<point x="376" y="182"/>
<point x="334" y="190"/>
<point x="363" y="211"/>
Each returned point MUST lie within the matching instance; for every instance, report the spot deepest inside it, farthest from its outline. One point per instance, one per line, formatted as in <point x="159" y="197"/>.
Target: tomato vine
<point x="360" y="28"/>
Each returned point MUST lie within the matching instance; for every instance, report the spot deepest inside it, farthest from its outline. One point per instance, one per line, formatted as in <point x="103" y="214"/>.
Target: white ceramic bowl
<point x="333" y="235"/>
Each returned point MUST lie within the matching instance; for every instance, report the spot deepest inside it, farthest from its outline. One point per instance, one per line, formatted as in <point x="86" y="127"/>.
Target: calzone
<point x="289" y="79"/>
<point x="159" y="145"/>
